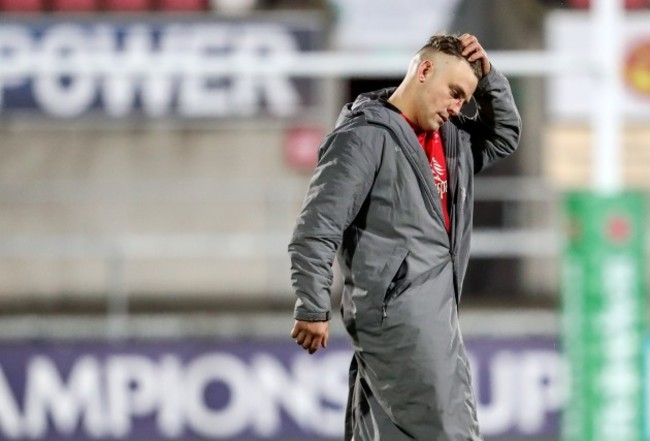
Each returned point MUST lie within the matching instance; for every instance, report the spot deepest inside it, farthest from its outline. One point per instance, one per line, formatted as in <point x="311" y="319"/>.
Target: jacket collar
<point x="376" y="109"/>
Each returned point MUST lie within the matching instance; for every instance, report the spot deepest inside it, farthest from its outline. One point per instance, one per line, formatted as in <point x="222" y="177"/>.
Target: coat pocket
<point x="397" y="269"/>
<point x="374" y="267"/>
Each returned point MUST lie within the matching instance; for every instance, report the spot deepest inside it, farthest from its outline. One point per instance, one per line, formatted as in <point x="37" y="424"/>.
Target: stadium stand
<point x="128" y="5"/>
<point x="21" y="5"/>
<point x="74" y="5"/>
<point x="182" y="5"/>
<point x="629" y="4"/>
<point x="103" y="6"/>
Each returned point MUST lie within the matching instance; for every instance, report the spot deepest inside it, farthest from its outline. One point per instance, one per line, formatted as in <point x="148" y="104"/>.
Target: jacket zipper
<point x="393" y="293"/>
<point x="452" y="154"/>
<point x="387" y="298"/>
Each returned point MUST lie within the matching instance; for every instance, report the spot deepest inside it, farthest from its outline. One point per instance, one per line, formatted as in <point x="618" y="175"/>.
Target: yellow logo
<point x="637" y="68"/>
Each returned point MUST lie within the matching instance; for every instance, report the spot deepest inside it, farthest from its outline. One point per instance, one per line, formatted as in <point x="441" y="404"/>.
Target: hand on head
<point x="474" y="51"/>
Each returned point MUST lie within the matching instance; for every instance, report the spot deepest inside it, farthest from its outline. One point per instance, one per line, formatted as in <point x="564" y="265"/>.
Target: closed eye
<point x="459" y="94"/>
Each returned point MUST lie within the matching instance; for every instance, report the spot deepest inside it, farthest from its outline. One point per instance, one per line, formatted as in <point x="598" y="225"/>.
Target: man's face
<point x="446" y="83"/>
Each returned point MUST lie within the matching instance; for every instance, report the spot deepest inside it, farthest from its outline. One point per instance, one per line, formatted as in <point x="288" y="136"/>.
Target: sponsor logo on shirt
<point x="438" y="172"/>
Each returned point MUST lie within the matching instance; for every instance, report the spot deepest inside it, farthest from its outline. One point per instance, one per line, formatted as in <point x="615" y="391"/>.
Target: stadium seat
<point x="21" y="5"/>
<point x="128" y="5"/>
<point x="74" y="5"/>
<point x="183" y="5"/>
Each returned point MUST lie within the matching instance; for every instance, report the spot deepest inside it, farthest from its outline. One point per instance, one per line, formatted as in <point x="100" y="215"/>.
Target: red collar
<point x="418" y="131"/>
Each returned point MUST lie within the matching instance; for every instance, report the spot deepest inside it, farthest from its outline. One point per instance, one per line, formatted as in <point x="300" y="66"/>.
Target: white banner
<point x="572" y="97"/>
<point x="390" y="24"/>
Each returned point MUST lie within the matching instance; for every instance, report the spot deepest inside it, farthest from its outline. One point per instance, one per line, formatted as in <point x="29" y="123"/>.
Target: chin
<point x="434" y="124"/>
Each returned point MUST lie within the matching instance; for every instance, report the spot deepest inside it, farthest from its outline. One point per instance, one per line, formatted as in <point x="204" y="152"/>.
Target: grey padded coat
<point x="372" y="198"/>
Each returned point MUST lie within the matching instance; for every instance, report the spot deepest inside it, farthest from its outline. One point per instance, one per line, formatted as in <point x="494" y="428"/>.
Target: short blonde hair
<point x="451" y="45"/>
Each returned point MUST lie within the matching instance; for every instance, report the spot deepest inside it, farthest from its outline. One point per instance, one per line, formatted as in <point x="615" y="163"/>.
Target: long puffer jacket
<point x="373" y="200"/>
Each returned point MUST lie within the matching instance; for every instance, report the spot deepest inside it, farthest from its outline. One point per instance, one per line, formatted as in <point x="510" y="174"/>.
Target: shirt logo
<point x="438" y="172"/>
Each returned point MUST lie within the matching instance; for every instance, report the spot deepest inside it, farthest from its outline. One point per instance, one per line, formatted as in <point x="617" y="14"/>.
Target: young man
<point x="393" y="194"/>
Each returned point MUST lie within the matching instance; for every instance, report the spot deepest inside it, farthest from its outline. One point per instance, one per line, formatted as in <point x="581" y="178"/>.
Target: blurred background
<point x="154" y="155"/>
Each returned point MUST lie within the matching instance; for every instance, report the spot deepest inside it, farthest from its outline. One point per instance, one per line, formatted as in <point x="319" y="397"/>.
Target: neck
<point x="399" y="100"/>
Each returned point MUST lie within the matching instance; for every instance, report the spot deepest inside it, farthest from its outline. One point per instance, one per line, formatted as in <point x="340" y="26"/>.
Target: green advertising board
<point x="603" y="317"/>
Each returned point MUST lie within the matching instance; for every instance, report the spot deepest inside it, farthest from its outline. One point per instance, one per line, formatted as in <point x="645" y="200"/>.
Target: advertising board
<point x="152" y="69"/>
<point x="573" y="96"/>
<point x="253" y="389"/>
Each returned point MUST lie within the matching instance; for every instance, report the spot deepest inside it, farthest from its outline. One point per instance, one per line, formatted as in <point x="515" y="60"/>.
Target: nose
<point x="454" y="107"/>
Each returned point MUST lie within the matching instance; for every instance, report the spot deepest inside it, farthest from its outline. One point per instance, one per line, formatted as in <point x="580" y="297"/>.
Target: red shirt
<point x="432" y="145"/>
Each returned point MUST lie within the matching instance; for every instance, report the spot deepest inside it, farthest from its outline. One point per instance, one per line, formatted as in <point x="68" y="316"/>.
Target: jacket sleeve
<point x="496" y="130"/>
<point x="344" y="175"/>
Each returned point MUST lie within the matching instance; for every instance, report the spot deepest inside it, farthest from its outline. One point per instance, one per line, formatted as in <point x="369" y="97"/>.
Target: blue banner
<point x="250" y="389"/>
<point x="67" y="69"/>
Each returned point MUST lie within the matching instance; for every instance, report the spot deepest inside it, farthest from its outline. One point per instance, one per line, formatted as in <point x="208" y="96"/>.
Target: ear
<point x="424" y="70"/>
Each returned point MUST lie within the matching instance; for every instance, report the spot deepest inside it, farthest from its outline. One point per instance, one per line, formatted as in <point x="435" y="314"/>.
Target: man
<point x="393" y="193"/>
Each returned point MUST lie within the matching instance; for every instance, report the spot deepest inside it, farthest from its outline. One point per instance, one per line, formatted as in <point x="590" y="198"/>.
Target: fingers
<point x="472" y="50"/>
<point x="300" y="337"/>
<point x="319" y="341"/>
<point x="306" y="340"/>
<point x="306" y="343"/>
<point x="315" y="344"/>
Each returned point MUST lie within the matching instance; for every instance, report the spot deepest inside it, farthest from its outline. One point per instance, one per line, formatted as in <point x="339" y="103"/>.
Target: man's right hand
<point x="311" y="335"/>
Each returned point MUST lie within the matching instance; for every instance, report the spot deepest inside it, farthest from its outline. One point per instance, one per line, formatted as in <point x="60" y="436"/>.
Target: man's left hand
<point x="474" y="51"/>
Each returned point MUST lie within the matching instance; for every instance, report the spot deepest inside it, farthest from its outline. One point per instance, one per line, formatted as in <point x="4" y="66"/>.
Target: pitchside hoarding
<point x="153" y="69"/>
<point x="253" y="389"/>
<point x="604" y="316"/>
